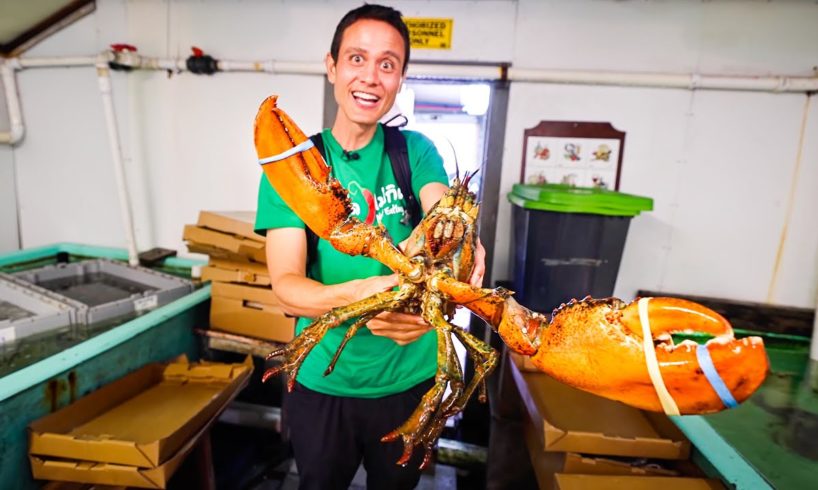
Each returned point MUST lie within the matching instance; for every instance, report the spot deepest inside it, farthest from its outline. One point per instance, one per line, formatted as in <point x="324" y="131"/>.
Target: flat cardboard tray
<point x="249" y="310"/>
<point x="571" y="420"/>
<point x="547" y="464"/>
<point x="142" y="419"/>
<point x="102" y="289"/>
<point x="223" y="245"/>
<point x="608" y="482"/>
<point x="85" y="472"/>
<point x="28" y="310"/>
<point x="239" y="223"/>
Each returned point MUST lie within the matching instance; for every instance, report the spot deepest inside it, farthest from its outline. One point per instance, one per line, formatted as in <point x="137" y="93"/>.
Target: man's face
<point x="368" y="73"/>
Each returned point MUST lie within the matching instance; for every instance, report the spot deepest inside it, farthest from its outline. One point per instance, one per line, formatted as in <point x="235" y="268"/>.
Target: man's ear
<point x="330" y="64"/>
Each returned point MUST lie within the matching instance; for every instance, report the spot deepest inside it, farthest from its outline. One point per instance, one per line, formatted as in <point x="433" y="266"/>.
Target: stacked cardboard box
<point x="577" y="440"/>
<point x="242" y="301"/>
<point x="137" y="430"/>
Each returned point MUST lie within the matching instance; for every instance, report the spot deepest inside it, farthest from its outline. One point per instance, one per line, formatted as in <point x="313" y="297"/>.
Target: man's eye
<point x="388" y="65"/>
<point x="356" y="58"/>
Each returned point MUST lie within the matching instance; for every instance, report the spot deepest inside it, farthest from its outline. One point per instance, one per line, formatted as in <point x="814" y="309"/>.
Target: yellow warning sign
<point x="426" y="33"/>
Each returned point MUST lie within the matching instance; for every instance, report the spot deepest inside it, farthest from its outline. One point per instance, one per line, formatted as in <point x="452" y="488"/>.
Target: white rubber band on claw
<point x="306" y="145"/>
<point x="668" y="404"/>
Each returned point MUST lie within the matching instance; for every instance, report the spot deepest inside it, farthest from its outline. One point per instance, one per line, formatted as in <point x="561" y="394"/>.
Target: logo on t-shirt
<point x="389" y="201"/>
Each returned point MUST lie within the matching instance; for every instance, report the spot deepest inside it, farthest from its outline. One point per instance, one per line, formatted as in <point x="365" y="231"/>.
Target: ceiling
<point x="23" y="23"/>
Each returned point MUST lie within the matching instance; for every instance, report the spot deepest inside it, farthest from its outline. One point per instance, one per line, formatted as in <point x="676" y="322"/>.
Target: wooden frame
<point x="64" y="16"/>
<point x="583" y="154"/>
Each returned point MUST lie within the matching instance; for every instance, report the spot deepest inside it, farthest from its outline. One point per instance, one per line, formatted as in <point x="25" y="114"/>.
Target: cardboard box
<point x="224" y="245"/>
<point x="524" y="363"/>
<point x="216" y="274"/>
<point x="601" y="482"/>
<point x="547" y="464"/>
<point x="142" y="419"/>
<point x="258" y="294"/>
<point x="249" y="310"/>
<point x="250" y="318"/>
<point x="214" y="252"/>
<point x="239" y="223"/>
<point x="85" y="472"/>
<point x="70" y="485"/>
<point x="571" y="420"/>
<point x="220" y="270"/>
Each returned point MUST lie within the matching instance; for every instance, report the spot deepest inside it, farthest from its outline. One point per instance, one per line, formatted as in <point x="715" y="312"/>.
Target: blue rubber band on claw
<point x="306" y="145"/>
<point x="709" y="370"/>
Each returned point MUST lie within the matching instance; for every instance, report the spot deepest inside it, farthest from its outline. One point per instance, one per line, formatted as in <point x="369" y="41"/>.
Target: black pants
<point x="330" y="436"/>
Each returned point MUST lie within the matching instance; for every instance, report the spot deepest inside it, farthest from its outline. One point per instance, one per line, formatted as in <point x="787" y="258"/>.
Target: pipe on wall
<point x="133" y="60"/>
<point x="104" y="78"/>
<point x="16" y="128"/>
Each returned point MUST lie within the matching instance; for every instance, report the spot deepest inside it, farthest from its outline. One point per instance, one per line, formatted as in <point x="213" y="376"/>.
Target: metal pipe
<point x="104" y="77"/>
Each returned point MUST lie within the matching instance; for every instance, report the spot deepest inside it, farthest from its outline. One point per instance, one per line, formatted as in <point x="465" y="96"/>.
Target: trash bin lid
<point x="567" y="199"/>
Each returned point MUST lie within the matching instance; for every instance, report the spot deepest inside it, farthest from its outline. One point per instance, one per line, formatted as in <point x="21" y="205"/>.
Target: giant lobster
<point x="616" y="350"/>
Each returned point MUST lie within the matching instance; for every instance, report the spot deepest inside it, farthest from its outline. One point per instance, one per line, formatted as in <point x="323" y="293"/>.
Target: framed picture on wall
<point x="581" y="154"/>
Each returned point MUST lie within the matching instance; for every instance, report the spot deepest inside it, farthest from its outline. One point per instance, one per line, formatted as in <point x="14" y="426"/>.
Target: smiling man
<point x="336" y="421"/>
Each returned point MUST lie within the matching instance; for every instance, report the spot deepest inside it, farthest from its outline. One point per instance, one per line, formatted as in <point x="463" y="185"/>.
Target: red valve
<point x="119" y="48"/>
<point x="197" y="52"/>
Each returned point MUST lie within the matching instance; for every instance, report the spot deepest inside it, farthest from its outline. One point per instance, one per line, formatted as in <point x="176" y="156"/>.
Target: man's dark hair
<point x="371" y="12"/>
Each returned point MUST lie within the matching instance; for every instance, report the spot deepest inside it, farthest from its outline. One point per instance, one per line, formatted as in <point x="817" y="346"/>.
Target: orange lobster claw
<point x="295" y="168"/>
<point x="306" y="188"/>
<point x="596" y="345"/>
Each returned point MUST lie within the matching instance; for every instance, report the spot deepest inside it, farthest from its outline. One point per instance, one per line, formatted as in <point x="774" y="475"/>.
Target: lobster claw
<point x="599" y="346"/>
<point x="297" y="171"/>
<point x="295" y="168"/>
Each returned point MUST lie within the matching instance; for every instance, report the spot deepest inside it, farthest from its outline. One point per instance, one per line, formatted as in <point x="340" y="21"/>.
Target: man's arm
<point x="286" y="251"/>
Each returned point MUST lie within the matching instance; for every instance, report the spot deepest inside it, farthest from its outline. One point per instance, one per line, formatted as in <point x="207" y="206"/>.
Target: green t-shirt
<point x="370" y="365"/>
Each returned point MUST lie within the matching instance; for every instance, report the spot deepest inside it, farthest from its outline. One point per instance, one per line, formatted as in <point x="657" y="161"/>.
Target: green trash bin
<point x="568" y="241"/>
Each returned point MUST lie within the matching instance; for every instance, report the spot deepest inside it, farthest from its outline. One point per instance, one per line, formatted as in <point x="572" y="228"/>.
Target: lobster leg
<point x="485" y="360"/>
<point x="298" y="173"/>
<point x="406" y="291"/>
<point x="518" y="326"/>
<point x="296" y="351"/>
<point x="351" y="331"/>
<point x="427" y="421"/>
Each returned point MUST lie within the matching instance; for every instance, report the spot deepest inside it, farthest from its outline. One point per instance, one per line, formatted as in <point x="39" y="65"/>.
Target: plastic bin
<point x="101" y="289"/>
<point x="26" y="310"/>
<point x="568" y="241"/>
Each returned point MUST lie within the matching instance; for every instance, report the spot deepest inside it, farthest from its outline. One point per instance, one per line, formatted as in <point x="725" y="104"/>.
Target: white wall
<point x="720" y="165"/>
<point x="9" y="238"/>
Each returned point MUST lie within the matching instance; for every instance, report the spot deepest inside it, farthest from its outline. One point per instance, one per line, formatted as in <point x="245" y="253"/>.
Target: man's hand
<point x="358" y="289"/>
<point x="400" y="327"/>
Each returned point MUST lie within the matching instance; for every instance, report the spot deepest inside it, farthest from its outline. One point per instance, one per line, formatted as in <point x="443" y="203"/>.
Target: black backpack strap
<point x="396" y="149"/>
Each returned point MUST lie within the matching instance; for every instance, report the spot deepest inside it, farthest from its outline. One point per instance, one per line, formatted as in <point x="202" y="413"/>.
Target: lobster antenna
<point x="456" y="164"/>
<point x="468" y="177"/>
